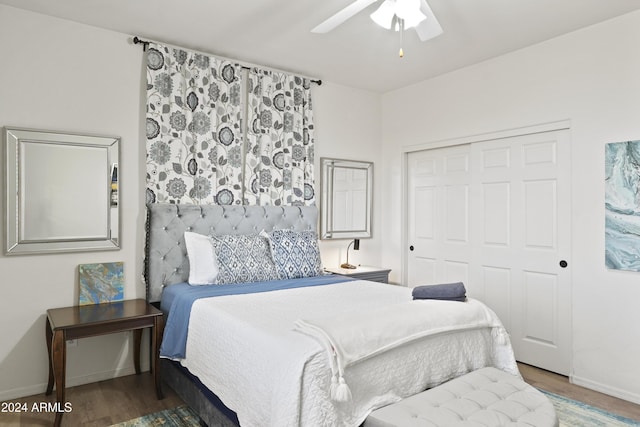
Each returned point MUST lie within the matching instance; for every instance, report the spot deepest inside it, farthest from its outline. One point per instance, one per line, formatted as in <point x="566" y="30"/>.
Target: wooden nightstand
<point x="373" y="274"/>
<point x="98" y="319"/>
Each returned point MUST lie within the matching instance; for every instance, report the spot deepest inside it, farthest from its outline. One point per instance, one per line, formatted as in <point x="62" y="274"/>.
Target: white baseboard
<point x="93" y="377"/>
<point x="603" y="388"/>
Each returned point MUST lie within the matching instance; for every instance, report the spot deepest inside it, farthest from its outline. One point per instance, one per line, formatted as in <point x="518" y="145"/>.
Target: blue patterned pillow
<point x="243" y="259"/>
<point x="295" y="253"/>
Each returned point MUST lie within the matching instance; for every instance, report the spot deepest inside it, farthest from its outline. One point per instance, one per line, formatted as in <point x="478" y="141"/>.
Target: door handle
<point x="411" y="248"/>
<point x="563" y="264"/>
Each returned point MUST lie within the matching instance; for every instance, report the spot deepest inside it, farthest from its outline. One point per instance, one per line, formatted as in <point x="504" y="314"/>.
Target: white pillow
<point x="203" y="267"/>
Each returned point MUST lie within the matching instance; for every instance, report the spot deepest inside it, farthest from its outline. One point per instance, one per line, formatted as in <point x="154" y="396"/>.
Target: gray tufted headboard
<point x="166" y="261"/>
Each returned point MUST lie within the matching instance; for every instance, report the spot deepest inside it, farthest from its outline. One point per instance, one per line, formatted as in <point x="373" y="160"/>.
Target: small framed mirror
<point x="347" y="189"/>
<point x="61" y="192"/>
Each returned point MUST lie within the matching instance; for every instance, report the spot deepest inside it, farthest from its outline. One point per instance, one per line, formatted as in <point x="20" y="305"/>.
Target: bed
<point x="317" y="350"/>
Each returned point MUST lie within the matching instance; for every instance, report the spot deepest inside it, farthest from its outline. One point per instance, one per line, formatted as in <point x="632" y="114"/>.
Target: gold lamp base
<point x="347" y="265"/>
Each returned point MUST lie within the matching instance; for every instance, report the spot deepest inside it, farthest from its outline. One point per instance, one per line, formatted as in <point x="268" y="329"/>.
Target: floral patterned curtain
<point x="194" y="135"/>
<point x="279" y="152"/>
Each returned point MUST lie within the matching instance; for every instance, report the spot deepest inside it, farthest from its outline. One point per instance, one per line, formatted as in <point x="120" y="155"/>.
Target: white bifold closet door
<point x="495" y="215"/>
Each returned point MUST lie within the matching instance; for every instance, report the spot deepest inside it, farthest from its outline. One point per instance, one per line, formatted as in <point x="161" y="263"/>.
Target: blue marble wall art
<point x="622" y="205"/>
<point x="101" y="283"/>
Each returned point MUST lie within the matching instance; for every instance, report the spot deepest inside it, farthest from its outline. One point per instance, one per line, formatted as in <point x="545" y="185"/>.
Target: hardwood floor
<point x="559" y="384"/>
<point x="108" y="402"/>
<point x="98" y="404"/>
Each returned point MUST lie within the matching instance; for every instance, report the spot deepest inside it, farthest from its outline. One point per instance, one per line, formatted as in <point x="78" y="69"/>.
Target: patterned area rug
<point x="182" y="416"/>
<point x="571" y="413"/>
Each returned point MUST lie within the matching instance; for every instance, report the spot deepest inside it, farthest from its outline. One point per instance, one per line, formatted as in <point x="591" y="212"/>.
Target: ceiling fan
<point x="397" y="14"/>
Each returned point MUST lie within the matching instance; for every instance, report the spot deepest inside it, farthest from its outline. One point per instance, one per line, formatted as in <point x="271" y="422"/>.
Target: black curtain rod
<point x="145" y="44"/>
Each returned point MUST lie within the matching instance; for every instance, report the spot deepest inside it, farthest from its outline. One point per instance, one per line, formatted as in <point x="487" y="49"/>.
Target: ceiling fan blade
<point x="342" y="16"/>
<point x="430" y="27"/>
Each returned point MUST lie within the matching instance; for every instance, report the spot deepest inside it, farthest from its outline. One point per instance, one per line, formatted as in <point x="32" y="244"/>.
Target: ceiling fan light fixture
<point x="415" y="14"/>
<point x="409" y="11"/>
<point x="383" y="16"/>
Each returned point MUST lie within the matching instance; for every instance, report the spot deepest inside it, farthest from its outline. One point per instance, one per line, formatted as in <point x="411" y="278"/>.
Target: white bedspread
<point x="245" y="349"/>
<point x="360" y="334"/>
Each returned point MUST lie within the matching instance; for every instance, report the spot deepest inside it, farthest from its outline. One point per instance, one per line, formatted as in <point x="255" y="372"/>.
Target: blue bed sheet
<point x="177" y="301"/>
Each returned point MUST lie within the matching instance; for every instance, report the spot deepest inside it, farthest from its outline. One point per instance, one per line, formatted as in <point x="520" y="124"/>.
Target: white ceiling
<point x="276" y="33"/>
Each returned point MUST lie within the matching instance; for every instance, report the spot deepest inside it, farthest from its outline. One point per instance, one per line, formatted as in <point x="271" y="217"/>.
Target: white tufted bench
<point x="486" y="397"/>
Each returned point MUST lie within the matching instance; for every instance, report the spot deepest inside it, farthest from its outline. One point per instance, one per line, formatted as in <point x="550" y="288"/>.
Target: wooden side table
<point x="99" y="319"/>
<point x="373" y="274"/>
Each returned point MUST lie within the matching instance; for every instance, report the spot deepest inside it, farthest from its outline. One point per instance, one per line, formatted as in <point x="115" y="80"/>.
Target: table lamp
<point x="356" y="247"/>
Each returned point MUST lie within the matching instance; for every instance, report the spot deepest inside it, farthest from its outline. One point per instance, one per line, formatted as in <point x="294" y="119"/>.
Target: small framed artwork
<point x="100" y="283"/>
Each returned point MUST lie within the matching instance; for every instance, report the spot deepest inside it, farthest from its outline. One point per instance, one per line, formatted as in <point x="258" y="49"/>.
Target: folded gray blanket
<point x="445" y="291"/>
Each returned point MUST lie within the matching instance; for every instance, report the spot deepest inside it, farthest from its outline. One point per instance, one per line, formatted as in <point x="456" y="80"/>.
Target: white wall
<point x="60" y="75"/>
<point x="592" y="78"/>
<point x="348" y="124"/>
